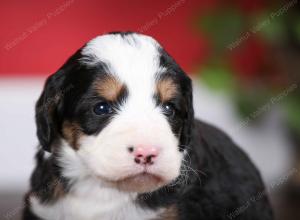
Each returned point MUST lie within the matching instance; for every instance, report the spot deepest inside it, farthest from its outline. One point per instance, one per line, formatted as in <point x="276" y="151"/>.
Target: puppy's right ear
<point x="46" y="110"/>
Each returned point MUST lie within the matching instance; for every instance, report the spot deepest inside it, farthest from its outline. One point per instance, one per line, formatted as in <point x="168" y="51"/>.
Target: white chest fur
<point x="86" y="201"/>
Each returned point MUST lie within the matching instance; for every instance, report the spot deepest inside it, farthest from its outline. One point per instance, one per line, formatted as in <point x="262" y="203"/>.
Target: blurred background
<point x="243" y="55"/>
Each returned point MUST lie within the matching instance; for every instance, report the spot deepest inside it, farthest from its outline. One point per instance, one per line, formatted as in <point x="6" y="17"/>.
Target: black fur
<point x="221" y="178"/>
<point x="27" y="214"/>
<point x="225" y="180"/>
<point x="182" y="122"/>
<point x="68" y="95"/>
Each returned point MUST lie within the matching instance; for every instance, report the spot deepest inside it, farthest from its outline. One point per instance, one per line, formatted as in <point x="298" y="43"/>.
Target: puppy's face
<point x="120" y="111"/>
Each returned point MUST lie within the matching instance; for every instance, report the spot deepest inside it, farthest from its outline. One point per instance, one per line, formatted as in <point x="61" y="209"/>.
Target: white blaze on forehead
<point x="133" y="58"/>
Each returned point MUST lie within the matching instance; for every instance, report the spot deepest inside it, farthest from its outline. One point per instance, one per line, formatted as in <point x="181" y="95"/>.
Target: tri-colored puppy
<point x="118" y="140"/>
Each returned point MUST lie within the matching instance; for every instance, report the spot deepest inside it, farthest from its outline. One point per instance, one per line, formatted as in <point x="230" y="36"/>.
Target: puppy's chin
<point x="138" y="183"/>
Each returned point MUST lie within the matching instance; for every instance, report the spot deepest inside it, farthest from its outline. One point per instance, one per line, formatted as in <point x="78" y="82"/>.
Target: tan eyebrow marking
<point x="166" y="89"/>
<point x="109" y="88"/>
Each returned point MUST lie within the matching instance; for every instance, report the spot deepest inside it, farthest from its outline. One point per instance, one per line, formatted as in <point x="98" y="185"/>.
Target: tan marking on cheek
<point x="109" y="88"/>
<point x="72" y="133"/>
<point x="166" y="89"/>
<point x="58" y="190"/>
<point x="171" y="213"/>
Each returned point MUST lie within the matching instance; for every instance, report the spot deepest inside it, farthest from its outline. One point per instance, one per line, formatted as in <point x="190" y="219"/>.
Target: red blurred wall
<point x="38" y="36"/>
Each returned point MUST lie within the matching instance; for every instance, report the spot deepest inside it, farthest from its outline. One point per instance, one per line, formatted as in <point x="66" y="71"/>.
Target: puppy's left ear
<point x="46" y="110"/>
<point x="188" y="120"/>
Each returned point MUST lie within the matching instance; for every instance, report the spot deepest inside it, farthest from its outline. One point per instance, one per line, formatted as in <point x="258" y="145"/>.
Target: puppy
<point x="118" y="140"/>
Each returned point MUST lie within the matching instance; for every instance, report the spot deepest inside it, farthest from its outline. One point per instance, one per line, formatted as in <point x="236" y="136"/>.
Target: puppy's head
<point x="119" y="111"/>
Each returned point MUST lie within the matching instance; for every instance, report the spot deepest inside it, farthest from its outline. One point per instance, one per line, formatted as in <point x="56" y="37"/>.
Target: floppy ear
<point x="188" y="121"/>
<point x="46" y="110"/>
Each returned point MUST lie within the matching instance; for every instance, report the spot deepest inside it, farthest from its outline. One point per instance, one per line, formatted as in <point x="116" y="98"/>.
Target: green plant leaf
<point x="218" y="78"/>
<point x="223" y="27"/>
<point x="293" y="112"/>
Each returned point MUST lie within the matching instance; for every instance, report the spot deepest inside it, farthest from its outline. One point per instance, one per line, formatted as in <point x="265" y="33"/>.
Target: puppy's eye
<point x="168" y="109"/>
<point x="103" y="108"/>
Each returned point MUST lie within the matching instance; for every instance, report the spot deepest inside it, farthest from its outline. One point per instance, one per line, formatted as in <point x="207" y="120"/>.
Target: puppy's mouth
<point x="140" y="183"/>
<point x="143" y="182"/>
